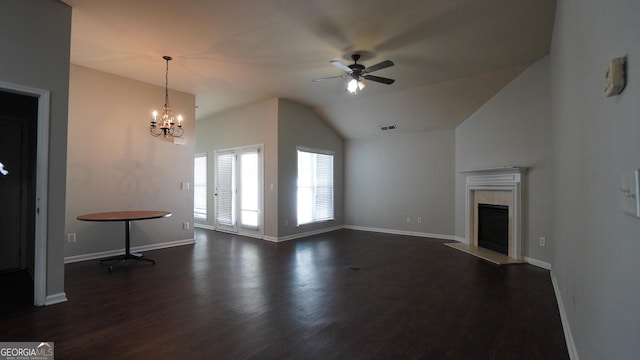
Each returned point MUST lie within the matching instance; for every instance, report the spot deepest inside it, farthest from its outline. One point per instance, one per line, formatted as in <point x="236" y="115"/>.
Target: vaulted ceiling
<point x="450" y="56"/>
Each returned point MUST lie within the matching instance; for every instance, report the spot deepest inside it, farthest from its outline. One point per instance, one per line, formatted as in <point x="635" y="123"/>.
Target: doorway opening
<point x="25" y="110"/>
<point x="18" y="119"/>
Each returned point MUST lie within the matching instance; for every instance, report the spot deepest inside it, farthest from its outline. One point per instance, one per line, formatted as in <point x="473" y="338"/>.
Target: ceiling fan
<point x="356" y="71"/>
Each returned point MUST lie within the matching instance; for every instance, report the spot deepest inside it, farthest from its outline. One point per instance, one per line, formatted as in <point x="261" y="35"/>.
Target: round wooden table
<point x="127" y="217"/>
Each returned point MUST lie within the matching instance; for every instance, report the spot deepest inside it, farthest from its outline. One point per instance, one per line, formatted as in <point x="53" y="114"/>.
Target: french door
<point x="238" y="190"/>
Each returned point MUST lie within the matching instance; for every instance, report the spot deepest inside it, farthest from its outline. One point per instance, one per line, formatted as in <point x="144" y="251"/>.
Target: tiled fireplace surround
<point x="501" y="186"/>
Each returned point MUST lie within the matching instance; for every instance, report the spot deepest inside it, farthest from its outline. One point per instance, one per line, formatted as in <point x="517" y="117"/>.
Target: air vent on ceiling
<point x="389" y="127"/>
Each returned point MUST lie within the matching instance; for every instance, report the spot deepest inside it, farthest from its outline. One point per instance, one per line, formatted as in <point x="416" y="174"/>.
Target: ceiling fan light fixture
<point x="357" y="71"/>
<point x="355" y="85"/>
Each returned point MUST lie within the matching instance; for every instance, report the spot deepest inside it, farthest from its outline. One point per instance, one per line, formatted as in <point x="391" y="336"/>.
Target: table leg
<point x="127" y="232"/>
<point x="127" y="251"/>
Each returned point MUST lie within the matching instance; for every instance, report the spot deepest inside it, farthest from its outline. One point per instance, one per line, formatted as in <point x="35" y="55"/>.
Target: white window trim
<point x="322" y="152"/>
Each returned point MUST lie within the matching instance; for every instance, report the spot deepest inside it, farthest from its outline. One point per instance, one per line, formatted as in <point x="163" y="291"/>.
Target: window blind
<point x="224" y="189"/>
<point x="315" y="186"/>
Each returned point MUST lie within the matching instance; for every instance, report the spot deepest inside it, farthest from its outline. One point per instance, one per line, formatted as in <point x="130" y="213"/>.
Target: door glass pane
<point x="305" y="187"/>
<point x="200" y="187"/>
<point x="225" y="202"/>
<point x="249" y="189"/>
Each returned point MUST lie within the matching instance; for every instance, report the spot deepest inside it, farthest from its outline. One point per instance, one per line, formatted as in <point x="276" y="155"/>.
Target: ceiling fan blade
<point x="383" y="65"/>
<point x="379" y="79"/>
<point x="342" y="66"/>
<point x="329" y="78"/>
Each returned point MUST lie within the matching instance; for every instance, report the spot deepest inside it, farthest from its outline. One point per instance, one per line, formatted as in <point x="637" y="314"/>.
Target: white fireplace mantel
<point x="498" y="170"/>
<point x="508" y="179"/>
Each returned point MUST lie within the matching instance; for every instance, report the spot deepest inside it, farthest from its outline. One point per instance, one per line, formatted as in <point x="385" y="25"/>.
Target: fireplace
<point x="499" y="189"/>
<point x="493" y="227"/>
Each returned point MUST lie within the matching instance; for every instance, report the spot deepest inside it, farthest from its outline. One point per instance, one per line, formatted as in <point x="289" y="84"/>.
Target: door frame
<point x="237" y="228"/>
<point x="42" y="179"/>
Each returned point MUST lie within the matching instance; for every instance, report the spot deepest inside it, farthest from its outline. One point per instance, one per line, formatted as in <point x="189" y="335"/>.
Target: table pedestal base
<point x="121" y="259"/>
<point x="128" y="255"/>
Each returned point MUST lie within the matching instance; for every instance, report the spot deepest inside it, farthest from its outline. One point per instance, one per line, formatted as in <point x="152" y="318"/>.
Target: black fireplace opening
<point x="493" y="227"/>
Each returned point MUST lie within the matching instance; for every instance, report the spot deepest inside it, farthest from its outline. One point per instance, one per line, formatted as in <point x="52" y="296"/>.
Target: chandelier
<point x="166" y="124"/>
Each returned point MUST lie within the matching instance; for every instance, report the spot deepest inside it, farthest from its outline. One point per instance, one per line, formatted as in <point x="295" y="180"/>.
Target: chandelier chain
<point x="166" y="82"/>
<point x="166" y="125"/>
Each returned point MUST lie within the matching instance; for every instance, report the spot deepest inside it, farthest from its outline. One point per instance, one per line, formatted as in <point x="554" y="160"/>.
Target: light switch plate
<point x="631" y="200"/>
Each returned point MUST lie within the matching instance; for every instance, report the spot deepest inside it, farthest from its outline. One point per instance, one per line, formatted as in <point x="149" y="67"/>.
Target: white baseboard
<point x="103" y="254"/>
<point x="301" y="235"/>
<point x="460" y="239"/>
<point x="270" y="238"/>
<point x="351" y="227"/>
<point x="250" y="235"/>
<point x="539" y="263"/>
<point x="55" y="299"/>
<point x="204" y="226"/>
<point x="568" y="336"/>
<point x="401" y="232"/>
<point x="255" y="236"/>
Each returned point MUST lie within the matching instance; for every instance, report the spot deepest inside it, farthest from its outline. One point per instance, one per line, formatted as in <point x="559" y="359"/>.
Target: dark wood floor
<point x="342" y="295"/>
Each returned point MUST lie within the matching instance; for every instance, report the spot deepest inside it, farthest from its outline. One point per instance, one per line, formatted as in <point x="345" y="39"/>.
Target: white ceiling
<point x="450" y="55"/>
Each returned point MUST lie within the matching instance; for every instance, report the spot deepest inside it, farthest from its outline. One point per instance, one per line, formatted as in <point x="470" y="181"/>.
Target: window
<point x="200" y="186"/>
<point x="315" y="186"/>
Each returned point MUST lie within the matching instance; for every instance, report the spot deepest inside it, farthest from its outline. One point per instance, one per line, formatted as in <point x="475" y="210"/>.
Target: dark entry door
<point x="18" y="117"/>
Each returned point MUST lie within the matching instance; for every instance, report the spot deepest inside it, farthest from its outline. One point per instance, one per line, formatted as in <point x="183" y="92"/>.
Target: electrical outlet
<point x="419" y="220"/>
<point x="185" y="225"/>
<point x="408" y="219"/>
<point x="71" y="238"/>
<point x="543" y="241"/>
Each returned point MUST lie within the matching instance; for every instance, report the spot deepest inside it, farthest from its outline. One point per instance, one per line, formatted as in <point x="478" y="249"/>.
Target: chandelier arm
<point x="176" y="131"/>
<point x="153" y="130"/>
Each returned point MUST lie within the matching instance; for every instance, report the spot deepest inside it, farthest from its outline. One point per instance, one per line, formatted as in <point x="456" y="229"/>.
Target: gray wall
<point x="298" y="126"/>
<point x="35" y="42"/>
<point x="280" y="126"/>
<point x="398" y="175"/>
<point x="249" y="125"/>
<point x="513" y="128"/>
<point x="114" y="164"/>
<point x="595" y="141"/>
